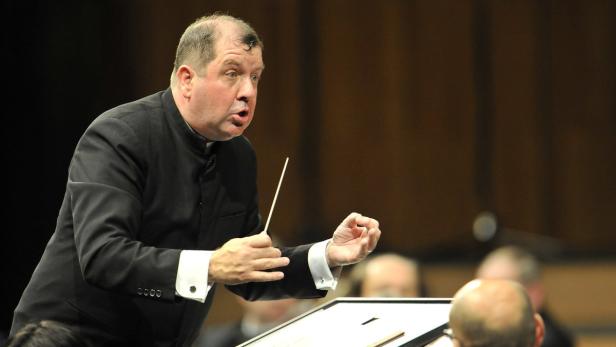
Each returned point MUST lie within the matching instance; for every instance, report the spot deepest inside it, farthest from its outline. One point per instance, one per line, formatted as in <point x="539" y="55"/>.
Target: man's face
<point x="385" y="278"/>
<point x="224" y="94"/>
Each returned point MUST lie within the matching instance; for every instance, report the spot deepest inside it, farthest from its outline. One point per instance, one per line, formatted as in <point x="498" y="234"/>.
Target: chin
<point x="230" y="135"/>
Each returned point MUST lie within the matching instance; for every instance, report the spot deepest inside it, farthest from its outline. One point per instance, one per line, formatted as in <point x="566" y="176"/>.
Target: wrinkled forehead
<point x="231" y="34"/>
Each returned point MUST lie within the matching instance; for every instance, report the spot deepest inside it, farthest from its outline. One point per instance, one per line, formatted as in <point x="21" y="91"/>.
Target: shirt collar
<point x="196" y="140"/>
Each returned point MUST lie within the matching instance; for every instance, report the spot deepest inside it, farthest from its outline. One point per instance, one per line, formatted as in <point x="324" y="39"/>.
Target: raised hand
<point x="353" y="240"/>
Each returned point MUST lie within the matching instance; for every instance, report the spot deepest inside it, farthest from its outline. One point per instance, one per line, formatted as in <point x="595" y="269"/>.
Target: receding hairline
<point x="248" y="34"/>
<point x="198" y="45"/>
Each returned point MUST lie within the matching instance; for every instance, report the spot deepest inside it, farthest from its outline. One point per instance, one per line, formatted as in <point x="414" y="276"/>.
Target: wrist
<point x="211" y="273"/>
<point x="328" y="259"/>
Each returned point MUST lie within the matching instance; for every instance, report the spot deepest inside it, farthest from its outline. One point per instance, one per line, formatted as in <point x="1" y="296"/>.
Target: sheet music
<point x="343" y="325"/>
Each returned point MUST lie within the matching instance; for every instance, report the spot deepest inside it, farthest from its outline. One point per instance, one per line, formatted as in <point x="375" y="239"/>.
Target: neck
<point x="181" y="104"/>
<point x="179" y="100"/>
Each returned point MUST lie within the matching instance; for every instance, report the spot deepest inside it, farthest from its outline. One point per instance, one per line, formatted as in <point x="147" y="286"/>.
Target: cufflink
<point x="193" y="289"/>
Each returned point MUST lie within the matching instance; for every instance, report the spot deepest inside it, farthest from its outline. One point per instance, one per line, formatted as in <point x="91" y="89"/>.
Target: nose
<point x="248" y="90"/>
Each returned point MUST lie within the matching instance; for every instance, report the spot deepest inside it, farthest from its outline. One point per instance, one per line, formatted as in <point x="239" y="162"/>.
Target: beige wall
<point x="424" y="113"/>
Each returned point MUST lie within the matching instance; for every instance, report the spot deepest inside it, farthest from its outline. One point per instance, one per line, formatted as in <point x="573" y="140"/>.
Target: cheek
<point x="219" y="94"/>
<point x="253" y="102"/>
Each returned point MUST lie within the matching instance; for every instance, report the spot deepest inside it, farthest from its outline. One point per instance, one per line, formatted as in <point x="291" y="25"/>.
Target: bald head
<point x="493" y="313"/>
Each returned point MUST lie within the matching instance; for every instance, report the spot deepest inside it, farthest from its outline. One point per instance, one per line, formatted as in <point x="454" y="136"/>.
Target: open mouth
<point x="239" y="118"/>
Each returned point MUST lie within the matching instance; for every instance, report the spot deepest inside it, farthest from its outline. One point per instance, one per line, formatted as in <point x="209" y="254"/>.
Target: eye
<point x="231" y="74"/>
<point x="255" y="78"/>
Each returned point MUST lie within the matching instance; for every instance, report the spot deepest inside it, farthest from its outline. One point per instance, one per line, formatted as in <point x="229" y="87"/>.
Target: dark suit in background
<point x="142" y="186"/>
<point x="555" y="334"/>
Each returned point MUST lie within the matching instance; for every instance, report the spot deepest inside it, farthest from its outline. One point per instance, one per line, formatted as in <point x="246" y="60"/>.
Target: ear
<point x="539" y="330"/>
<point x="185" y="76"/>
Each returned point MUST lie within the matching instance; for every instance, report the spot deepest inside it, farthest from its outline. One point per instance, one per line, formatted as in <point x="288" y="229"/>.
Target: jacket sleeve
<point x="106" y="178"/>
<point x="297" y="281"/>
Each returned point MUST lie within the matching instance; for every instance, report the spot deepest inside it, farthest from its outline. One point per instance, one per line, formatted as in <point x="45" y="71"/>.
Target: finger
<point x="367" y="222"/>
<point x="365" y="244"/>
<point x="270" y="263"/>
<point x="264" y="276"/>
<point x="351" y="220"/>
<point x="269" y="252"/>
<point x="369" y="241"/>
<point x="373" y="238"/>
<point x="361" y="230"/>
<point x="259" y="240"/>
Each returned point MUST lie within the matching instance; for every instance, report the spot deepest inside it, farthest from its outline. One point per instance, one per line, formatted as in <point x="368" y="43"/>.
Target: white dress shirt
<point x="192" y="278"/>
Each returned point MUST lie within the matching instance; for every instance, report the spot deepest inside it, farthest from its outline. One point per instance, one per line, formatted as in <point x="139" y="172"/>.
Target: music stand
<point x="382" y="322"/>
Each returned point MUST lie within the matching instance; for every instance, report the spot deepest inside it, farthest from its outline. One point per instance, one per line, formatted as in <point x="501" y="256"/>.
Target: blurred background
<point x="460" y="125"/>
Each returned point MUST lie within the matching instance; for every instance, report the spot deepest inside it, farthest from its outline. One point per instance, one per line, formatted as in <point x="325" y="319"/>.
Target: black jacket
<point x="141" y="187"/>
<point x="556" y="335"/>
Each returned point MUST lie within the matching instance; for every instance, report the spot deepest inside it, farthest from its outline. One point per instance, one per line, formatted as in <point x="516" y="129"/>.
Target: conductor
<point x="161" y="207"/>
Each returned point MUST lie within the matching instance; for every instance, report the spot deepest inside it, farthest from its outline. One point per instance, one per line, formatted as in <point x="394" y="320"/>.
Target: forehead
<point x="230" y="48"/>
<point x="395" y="272"/>
<point x="499" y="268"/>
<point x="380" y="265"/>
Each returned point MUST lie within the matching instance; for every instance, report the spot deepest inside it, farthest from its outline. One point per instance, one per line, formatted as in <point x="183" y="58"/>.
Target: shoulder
<point x="136" y="113"/>
<point x="128" y="123"/>
<point x="555" y="333"/>
<point x="123" y="129"/>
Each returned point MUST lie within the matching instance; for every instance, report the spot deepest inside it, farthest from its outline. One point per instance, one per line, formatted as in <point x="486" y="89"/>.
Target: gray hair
<point x="529" y="269"/>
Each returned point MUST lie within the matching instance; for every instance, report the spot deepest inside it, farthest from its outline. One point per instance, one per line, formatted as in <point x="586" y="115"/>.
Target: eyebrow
<point x="233" y="62"/>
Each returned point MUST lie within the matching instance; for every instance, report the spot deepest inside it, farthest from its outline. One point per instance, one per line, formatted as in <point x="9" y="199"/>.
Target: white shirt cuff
<point x="324" y="277"/>
<point x="191" y="281"/>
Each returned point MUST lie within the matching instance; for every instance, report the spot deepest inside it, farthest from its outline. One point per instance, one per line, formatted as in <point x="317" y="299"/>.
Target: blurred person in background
<point x="517" y="264"/>
<point x="387" y="275"/>
<point x="257" y="317"/>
